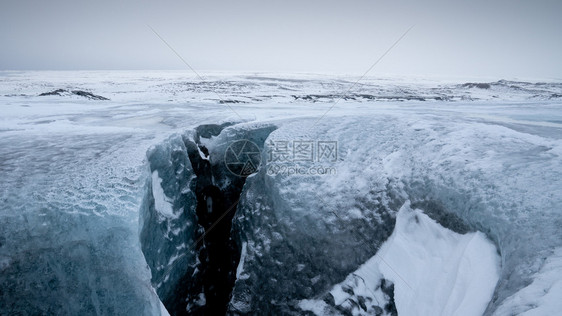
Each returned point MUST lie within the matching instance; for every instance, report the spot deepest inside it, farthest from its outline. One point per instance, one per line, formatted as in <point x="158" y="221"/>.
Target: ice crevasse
<point x="422" y="213"/>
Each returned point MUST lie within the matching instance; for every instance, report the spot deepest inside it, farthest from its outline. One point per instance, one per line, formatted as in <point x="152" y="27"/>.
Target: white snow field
<point x="402" y="196"/>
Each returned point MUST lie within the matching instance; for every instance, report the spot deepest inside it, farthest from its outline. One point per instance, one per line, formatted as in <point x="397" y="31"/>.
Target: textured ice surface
<point x="167" y="217"/>
<point x="75" y="173"/>
<point x="542" y="296"/>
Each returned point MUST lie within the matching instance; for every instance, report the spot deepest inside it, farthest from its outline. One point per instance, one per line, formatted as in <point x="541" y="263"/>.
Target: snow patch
<point x="240" y="268"/>
<point x="316" y="306"/>
<point x="162" y="203"/>
<point x="435" y="271"/>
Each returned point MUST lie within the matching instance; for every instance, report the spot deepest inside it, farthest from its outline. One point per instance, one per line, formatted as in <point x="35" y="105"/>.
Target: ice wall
<point x="190" y="200"/>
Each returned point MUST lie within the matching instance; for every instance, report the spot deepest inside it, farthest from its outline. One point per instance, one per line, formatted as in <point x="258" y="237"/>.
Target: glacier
<point x="438" y="198"/>
<point x="454" y="274"/>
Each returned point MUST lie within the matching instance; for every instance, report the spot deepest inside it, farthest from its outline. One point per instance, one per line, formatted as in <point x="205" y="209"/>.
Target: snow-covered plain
<point x="478" y="164"/>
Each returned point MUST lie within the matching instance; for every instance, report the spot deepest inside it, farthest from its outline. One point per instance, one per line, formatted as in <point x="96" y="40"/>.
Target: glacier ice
<point x="93" y="223"/>
<point x="187" y="214"/>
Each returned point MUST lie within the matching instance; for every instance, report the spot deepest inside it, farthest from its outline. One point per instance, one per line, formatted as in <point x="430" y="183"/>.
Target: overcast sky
<point x="502" y="39"/>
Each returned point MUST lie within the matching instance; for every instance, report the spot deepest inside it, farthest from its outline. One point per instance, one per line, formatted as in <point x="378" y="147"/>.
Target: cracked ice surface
<point x="73" y="172"/>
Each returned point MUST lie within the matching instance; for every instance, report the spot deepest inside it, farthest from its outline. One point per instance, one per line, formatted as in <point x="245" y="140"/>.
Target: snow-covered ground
<point x="479" y="163"/>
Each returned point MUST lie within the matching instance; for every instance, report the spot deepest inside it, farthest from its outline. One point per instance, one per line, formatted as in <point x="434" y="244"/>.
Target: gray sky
<point x="502" y="39"/>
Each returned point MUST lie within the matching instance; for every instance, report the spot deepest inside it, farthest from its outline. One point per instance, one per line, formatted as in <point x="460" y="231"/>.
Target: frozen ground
<point x="477" y="159"/>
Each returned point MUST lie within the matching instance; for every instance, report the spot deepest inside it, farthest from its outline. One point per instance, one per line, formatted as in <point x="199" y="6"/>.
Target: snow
<point x="162" y="203"/>
<point x="240" y="267"/>
<point x="317" y="307"/>
<point x="435" y="271"/>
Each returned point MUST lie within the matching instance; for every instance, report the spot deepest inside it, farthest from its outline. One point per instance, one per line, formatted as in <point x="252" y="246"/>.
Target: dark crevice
<point x="207" y="289"/>
<point x="218" y="253"/>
